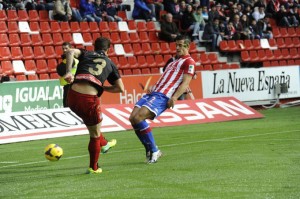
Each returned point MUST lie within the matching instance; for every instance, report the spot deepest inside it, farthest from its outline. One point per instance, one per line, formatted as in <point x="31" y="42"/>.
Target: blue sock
<point x="146" y="135"/>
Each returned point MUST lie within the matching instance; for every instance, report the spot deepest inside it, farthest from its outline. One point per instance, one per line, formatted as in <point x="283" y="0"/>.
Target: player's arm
<point x="70" y="54"/>
<point x="116" y="87"/>
<point x="181" y="89"/>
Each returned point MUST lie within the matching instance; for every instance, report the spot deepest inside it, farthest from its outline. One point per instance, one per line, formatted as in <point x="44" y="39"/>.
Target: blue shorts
<point x="155" y="102"/>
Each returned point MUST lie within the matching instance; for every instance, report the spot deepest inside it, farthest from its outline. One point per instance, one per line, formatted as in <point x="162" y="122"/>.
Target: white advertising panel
<point x="251" y="84"/>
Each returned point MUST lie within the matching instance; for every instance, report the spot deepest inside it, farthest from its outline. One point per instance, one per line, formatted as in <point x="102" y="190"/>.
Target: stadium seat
<point x="151" y="62"/>
<point x="276" y="32"/>
<point x="277" y="54"/>
<point x="3" y="26"/>
<point x="111" y="51"/>
<point x="94" y="27"/>
<point x="137" y="49"/>
<point x="128" y="49"/>
<point x="204" y="59"/>
<point x="67" y="37"/>
<point x="245" y="56"/>
<point x="122" y="14"/>
<point x="269" y="54"/>
<point x="167" y="57"/>
<point x="124" y="36"/>
<point x="127" y="72"/>
<point x="12" y="15"/>
<point x="172" y="46"/>
<point x="283" y="32"/>
<point x="27" y="53"/>
<point x="207" y="67"/>
<point x="141" y="60"/>
<point x="57" y="39"/>
<point x="153" y="37"/>
<point x="164" y="48"/>
<point x="266" y="64"/>
<point x="12" y="27"/>
<point x="123" y="63"/>
<point x="103" y="26"/>
<point x="55" y="27"/>
<point x="34" y="15"/>
<point x="296" y="41"/>
<point x="4" y="41"/>
<point x="132" y="61"/>
<point x="14" y="39"/>
<point x="248" y="44"/>
<point x="134" y="37"/>
<point x="22" y="15"/>
<point x="143" y="37"/>
<point x="274" y="63"/>
<point x="253" y="56"/>
<point x="115" y="60"/>
<point x="272" y="43"/>
<point x="5" y="53"/>
<point x="291" y="32"/>
<point x="16" y="53"/>
<point x="65" y="27"/>
<point x="84" y="26"/>
<point x="256" y="44"/>
<point x="21" y="78"/>
<point x="141" y="26"/>
<point x="87" y="37"/>
<point x="115" y="38"/>
<point x="41" y="66"/>
<point x="45" y="27"/>
<point x="49" y="52"/>
<point x="38" y="52"/>
<point x="36" y="40"/>
<point x="19" y="68"/>
<point x="106" y="34"/>
<point x="123" y="26"/>
<point x="113" y="26"/>
<point x="196" y="57"/>
<point x="58" y="51"/>
<point x="43" y="15"/>
<point x="159" y="60"/>
<point x="54" y="76"/>
<point x="282" y="62"/>
<point x="132" y="25"/>
<point x="95" y="35"/>
<point x="3" y="16"/>
<point x="47" y="39"/>
<point x="34" y="26"/>
<point x="213" y="58"/>
<point x="74" y="26"/>
<point x="32" y="77"/>
<point x="223" y="45"/>
<point x="298" y="32"/>
<point x="232" y="47"/>
<point x="119" y="50"/>
<point x="150" y="26"/>
<point x="146" y="48"/>
<point x="290" y="62"/>
<point x="285" y="53"/>
<point x="7" y="67"/>
<point x="288" y="42"/>
<point x="30" y="65"/>
<point x="52" y="64"/>
<point x="144" y="71"/>
<point x="261" y="55"/>
<point x="155" y="48"/>
<point x="280" y="42"/>
<point x="44" y="76"/>
<point x="234" y="66"/>
<point x="217" y="66"/>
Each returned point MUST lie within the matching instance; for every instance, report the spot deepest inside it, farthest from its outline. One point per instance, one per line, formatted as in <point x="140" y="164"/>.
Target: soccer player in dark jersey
<point x="173" y="83"/>
<point x="93" y="69"/>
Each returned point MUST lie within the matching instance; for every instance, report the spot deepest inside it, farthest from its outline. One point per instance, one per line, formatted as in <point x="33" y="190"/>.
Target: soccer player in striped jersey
<point x="173" y="83"/>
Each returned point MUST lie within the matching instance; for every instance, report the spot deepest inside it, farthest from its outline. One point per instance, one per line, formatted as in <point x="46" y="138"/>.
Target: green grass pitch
<point x="239" y="159"/>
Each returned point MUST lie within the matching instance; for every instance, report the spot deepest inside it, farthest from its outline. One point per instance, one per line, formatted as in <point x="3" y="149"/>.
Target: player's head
<point x="102" y="44"/>
<point x="66" y="46"/>
<point x="182" y="45"/>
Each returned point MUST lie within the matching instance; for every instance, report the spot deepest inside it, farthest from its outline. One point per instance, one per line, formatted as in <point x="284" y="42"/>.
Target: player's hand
<point x="171" y="103"/>
<point x="69" y="77"/>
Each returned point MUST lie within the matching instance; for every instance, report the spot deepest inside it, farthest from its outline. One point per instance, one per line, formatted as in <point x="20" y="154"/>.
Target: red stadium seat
<point x="5" y="53"/>
<point x="84" y="26"/>
<point x="14" y="39"/>
<point x="12" y="15"/>
<point x="47" y="39"/>
<point x="23" y="15"/>
<point x="4" y="41"/>
<point x="113" y="26"/>
<point x="33" y="15"/>
<point x="41" y="66"/>
<point x="27" y="53"/>
<point x="7" y="67"/>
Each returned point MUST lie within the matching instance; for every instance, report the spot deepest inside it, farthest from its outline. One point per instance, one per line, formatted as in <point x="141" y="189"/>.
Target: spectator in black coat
<point x="169" y="30"/>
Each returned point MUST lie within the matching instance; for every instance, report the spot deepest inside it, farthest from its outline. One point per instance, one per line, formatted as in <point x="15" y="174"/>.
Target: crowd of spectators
<point x="218" y="19"/>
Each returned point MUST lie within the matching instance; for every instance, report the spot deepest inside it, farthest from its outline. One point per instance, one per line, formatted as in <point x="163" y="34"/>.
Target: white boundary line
<point x="169" y="145"/>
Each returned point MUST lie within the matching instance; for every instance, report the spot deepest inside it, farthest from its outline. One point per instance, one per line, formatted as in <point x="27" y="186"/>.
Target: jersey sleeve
<point x="189" y="66"/>
<point x="114" y="75"/>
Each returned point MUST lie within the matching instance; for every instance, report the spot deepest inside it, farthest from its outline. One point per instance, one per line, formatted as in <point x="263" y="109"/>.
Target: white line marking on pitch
<point x="169" y="145"/>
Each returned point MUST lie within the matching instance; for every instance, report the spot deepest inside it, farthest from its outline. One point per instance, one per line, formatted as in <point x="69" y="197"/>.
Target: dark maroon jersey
<point x="95" y="67"/>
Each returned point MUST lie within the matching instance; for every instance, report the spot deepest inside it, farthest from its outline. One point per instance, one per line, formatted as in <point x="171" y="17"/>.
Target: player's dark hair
<point x="67" y="44"/>
<point x="186" y="39"/>
<point x="102" y="43"/>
